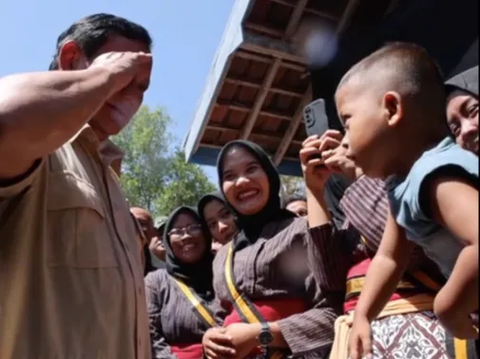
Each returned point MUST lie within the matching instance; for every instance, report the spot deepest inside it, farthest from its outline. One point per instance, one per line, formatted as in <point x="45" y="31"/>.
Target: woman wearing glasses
<point x="181" y="305"/>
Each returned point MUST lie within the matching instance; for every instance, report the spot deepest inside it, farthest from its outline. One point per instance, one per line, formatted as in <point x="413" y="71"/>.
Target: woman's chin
<point x="249" y="208"/>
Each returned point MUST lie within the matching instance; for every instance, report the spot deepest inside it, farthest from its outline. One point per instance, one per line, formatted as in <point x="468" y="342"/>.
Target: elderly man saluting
<point x="71" y="281"/>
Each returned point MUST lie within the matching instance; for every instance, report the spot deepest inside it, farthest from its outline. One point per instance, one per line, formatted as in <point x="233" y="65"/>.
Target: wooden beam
<point x="273" y="52"/>
<point x="210" y="145"/>
<point x="269" y="60"/>
<point x="219" y="147"/>
<point x="246" y="83"/>
<point x="276" y="48"/>
<point x="307" y="10"/>
<point x="295" y="18"/>
<point x="347" y="16"/>
<point x="265" y="135"/>
<point x="292" y="128"/>
<point x="246" y="109"/>
<point x="212" y="102"/>
<point x="280" y="91"/>
<point x="260" y="99"/>
<point x="263" y="29"/>
<point x="253" y="57"/>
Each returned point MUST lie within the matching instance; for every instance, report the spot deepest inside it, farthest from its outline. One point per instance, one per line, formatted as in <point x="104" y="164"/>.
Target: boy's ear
<point x="393" y="107"/>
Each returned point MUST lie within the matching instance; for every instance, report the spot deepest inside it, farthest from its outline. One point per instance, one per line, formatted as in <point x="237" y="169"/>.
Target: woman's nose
<point x="222" y="227"/>
<point x="185" y="235"/>
<point x="241" y="180"/>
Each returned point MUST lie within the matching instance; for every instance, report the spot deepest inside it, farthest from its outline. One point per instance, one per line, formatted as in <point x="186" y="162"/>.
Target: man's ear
<point x="393" y="108"/>
<point x="71" y="57"/>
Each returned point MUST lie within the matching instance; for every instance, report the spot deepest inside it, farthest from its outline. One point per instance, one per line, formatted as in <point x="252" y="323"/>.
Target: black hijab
<point x="213" y="196"/>
<point x="198" y="276"/>
<point x="251" y="226"/>
<point x="466" y="81"/>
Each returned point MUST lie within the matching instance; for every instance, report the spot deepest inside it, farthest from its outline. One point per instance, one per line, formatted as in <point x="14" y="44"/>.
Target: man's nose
<point x="469" y="130"/>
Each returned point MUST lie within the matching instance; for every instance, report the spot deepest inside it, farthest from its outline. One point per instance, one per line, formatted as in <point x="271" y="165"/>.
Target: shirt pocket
<point x="78" y="229"/>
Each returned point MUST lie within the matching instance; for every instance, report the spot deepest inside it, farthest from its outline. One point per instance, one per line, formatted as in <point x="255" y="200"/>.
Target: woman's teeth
<point x="247" y="194"/>
<point x="189" y="247"/>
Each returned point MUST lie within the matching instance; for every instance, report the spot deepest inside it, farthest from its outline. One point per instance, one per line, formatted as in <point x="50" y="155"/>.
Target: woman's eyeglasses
<point x="193" y="230"/>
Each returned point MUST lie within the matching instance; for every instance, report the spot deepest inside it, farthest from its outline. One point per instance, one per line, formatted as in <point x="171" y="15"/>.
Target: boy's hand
<point x="360" y="341"/>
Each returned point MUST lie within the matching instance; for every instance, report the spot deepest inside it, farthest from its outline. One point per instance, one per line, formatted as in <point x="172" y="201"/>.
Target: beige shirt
<point x="71" y="278"/>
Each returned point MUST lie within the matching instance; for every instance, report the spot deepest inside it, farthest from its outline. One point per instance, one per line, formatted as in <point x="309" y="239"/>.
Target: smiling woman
<point x="262" y="278"/>
<point x="218" y="218"/>
<point x="181" y="304"/>
<point x="462" y="108"/>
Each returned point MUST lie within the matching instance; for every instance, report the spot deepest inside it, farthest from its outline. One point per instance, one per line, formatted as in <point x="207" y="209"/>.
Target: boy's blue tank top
<point x="405" y="201"/>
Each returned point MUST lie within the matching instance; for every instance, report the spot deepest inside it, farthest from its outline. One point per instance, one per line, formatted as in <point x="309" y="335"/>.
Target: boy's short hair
<point x="407" y="69"/>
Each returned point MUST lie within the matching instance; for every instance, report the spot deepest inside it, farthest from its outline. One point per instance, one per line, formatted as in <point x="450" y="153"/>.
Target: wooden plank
<point x="264" y="135"/>
<point x="270" y="51"/>
<point x="246" y="109"/>
<point x="295" y="18"/>
<point x="268" y="60"/>
<point x="263" y="29"/>
<point x="260" y="99"/>
<point x="292" y="129"/>
<point x="246" y="83"/>
<point x="276" y="48"/>
<point x="213" y="101"/>
<point x="308" y="10"/>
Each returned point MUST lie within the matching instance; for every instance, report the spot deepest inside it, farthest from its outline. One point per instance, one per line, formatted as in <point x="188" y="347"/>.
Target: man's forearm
<point x="39" y="112"/>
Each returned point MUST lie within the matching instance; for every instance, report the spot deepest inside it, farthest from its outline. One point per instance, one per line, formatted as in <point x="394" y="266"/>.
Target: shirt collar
<point x="110" y="154"/>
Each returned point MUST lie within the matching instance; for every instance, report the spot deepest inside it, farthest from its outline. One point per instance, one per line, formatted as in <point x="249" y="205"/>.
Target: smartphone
<point x="315" y="118"/>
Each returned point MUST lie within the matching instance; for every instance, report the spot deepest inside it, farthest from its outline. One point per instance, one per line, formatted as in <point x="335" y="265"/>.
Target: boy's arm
<point x="383" y="276"/>
<point x="454" y="205"/>
<point x="385" y="271"/>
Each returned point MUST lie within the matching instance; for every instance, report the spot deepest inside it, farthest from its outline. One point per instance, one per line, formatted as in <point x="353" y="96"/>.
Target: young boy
<point x="392" y="105"/>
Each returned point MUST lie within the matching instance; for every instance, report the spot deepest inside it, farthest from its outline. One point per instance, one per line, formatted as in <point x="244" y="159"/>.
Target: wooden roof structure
<point x="259" y="82"/>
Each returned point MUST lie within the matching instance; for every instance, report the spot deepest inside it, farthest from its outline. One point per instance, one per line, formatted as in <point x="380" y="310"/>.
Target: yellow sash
<point x="355" y="286"/>
<point x="202" y="311"/>
<point x="243" y="306"/>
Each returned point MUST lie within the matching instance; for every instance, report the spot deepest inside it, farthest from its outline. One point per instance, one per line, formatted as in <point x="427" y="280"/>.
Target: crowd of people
<point x="246" y="273"/>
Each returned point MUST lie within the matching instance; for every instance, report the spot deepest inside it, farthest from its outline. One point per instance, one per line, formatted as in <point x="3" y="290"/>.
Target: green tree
<point x="150" y="167"/>
<point x="185" y="184"/>
<point x="292" y="185"/>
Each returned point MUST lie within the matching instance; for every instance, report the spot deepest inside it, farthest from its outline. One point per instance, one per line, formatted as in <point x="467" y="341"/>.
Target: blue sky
<point x="186" y="35"/>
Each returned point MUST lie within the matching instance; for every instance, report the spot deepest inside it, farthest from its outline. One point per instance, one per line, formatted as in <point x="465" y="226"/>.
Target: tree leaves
<point x="155" y="174"/>
<point x="293" y="185"/>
